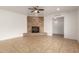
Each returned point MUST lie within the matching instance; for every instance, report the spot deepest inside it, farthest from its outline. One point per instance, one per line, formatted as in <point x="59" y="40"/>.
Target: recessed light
<point x="58" y="9"/>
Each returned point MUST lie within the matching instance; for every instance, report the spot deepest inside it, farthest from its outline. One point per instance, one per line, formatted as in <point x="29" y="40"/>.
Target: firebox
<point x="35" y="29"/>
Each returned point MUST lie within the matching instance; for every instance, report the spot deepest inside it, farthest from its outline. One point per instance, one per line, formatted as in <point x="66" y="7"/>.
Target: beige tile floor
<point x="39" y="44"/>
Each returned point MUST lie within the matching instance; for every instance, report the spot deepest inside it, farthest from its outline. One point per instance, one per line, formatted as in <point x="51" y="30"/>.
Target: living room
<point x="35" y="25"/>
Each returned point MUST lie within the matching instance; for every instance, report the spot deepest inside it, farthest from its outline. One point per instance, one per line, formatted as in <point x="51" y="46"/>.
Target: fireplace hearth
<point x="35" y="29"/>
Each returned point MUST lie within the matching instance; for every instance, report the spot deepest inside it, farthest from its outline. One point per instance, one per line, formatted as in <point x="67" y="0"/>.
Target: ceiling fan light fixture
<point x="36" y="11"/>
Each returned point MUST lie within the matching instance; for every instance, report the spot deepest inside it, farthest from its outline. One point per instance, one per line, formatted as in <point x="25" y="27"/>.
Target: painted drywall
<point x="78" y="26"/>
<point x="58" y="28"/>
<point x="48" y="25"/>
<point x="11" y="24"/>
<point x="70" y="25"/>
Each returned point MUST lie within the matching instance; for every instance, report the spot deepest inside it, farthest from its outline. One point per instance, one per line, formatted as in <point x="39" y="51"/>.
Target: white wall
<point x="11" y="24"/>
<point x="78" y="27"/>
<point x="48" y="26"/>
<point x="58" y="28"/>
<point x="14" y="24"/>
<point x="70" y="25"/>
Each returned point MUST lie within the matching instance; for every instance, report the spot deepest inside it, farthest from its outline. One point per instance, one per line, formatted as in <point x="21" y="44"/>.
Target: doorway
<point x="58" y="27"/>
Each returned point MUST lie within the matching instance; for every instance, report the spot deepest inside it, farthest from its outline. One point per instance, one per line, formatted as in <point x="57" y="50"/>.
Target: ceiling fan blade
<point x="32" y="11"/>
<point x="41" y="9"/>
<point x="35" y="9"/>
<point x="38" y="11"/>
<point x="31" y="8"/>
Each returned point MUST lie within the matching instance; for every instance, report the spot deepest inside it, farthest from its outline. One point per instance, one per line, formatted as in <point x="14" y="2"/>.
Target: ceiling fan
<point x="35" y="9"/>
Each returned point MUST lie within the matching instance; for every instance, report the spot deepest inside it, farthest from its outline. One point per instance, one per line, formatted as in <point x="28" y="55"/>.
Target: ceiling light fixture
<point x="36" y="11"/>
<point x="58" y="9"/>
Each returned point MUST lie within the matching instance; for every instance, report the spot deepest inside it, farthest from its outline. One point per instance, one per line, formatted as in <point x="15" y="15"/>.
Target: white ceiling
<point x="47" y="9"/>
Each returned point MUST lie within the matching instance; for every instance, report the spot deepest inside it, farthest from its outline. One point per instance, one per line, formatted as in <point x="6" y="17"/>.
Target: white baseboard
<point x="49" y="34"/>
<point x="10" y="37"/>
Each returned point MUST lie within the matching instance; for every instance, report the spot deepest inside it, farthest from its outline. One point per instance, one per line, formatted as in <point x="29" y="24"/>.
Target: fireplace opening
<point x="35" y="29"/>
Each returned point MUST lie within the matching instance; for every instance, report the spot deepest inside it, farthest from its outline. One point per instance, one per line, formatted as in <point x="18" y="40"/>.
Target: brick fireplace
<point x="33" y="21"/>
<point x="35" y="25"/>
<point x="35" y="29"/>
